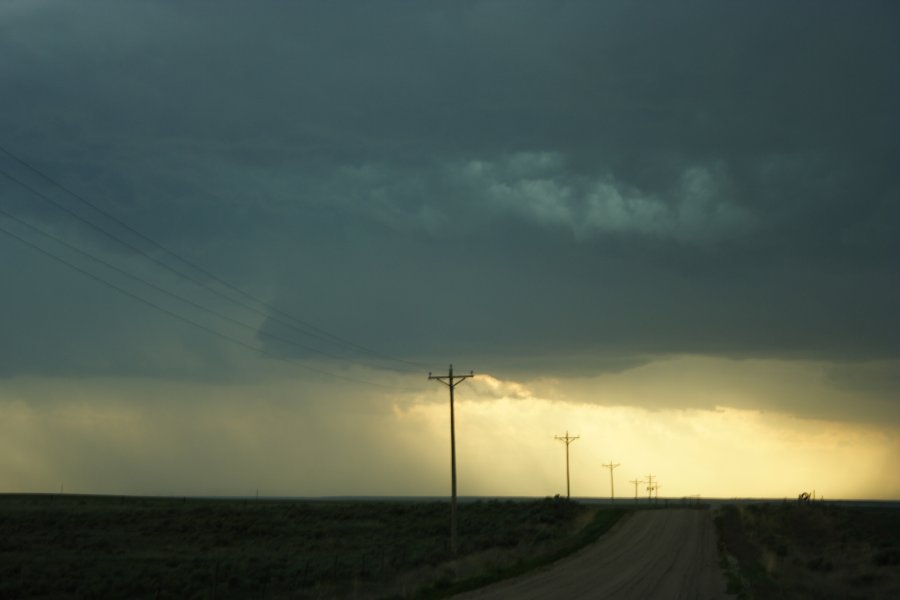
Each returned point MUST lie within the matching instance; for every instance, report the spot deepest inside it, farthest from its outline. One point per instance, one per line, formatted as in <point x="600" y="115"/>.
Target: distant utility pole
<point x="636" y="482"/>
<point x="612" y="487"/>
<point x="451" y="381"/>
<point x="650" y="488"/>
<point x="568" y="440"/>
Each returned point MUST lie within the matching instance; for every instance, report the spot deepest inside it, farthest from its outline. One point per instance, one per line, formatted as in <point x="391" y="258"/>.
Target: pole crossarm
<point x="451" y="380"/>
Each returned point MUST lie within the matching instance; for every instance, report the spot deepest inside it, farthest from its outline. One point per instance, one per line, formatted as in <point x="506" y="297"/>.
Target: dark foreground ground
<point x="814" y="550"/>
<point x="108" y="547"/>
<point x="71" y="546"/>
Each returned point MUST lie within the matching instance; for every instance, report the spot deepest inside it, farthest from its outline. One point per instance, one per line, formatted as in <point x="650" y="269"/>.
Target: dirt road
<point x="663" y="554"/>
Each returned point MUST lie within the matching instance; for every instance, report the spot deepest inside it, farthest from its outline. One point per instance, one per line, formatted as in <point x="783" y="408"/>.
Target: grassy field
<point x="812" y="550"/>
<point x="109" y="547"/>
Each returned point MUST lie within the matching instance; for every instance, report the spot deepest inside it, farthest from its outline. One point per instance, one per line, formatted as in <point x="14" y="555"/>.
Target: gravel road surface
<point x="665" y="554"/>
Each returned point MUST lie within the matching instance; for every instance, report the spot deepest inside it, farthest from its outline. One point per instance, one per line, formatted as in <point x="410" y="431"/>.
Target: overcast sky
<point x="601" y="206"/>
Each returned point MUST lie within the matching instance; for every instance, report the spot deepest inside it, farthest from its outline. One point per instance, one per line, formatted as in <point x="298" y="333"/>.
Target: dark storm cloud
<point x="601" y="182"/>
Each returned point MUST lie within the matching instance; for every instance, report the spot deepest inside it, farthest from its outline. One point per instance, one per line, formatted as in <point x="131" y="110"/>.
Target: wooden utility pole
<point x="568" y="440"/>
<point x="650" y="488"/>
<point x="451" y="381"/>
<point x="612" y="488"/>
<point x="636" y="482"/>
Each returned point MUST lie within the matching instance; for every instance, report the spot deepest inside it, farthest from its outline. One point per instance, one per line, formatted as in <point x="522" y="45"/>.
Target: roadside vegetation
<point x="810" y="550"/>
<point x="109" y="547"/>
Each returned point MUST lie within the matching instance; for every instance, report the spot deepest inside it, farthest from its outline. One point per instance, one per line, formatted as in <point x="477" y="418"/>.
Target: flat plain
<point x="69" y="546"/>
<point x="815" y="550"/>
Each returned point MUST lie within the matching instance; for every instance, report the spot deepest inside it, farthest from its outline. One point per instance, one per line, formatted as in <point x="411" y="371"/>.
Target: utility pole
<point x="451" y="381"/>
<point x="612" y="487"/>
<point x="636" y="482"/>
<point x="650" y="488"/>
<point x="568" y="440"/>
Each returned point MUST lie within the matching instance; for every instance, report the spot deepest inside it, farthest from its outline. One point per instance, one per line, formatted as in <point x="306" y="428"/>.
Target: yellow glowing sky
<point x="699" y="425"/>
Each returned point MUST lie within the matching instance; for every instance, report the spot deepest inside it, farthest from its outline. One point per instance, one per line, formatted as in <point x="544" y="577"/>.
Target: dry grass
<point x="478" y="569"/>
<point x="812" y="551"/>
<point x="102" y="547"/>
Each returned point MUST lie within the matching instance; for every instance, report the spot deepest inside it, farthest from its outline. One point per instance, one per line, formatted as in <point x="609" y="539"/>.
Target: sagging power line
<point x="270" y="313"/>
<point x="184" y="319"/>
<point x="160" y="289"/>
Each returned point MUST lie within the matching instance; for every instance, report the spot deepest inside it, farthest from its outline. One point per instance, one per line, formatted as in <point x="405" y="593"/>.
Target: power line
<point x="156" y="260"/>
<point x="162" y="290"/>
<point x="182" y="318"/>
<point x="272" y="313"/>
